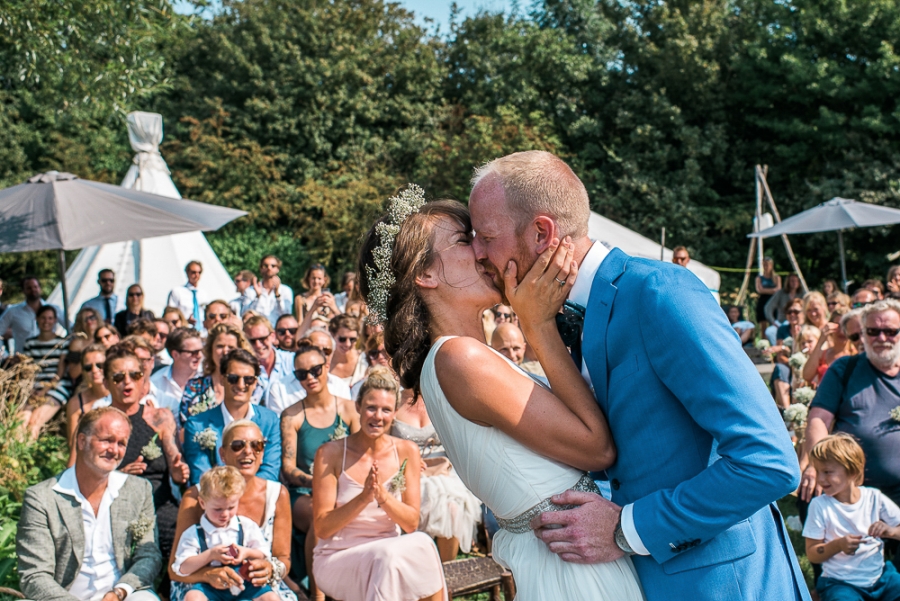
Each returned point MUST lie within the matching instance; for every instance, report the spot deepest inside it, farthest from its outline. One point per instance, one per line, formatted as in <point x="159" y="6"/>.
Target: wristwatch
<point x="621" y="541"/>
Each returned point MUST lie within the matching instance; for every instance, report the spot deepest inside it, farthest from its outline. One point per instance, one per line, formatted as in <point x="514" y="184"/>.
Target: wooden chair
<point x="477" y="575"/>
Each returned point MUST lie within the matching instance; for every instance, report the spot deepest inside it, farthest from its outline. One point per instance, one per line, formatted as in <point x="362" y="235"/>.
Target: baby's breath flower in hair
<point x="381" y="279"/>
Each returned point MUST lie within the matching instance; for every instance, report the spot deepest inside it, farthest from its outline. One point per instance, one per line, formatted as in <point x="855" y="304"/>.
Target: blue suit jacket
<point x="702" y="451"/>
<point x="199" y="459"/>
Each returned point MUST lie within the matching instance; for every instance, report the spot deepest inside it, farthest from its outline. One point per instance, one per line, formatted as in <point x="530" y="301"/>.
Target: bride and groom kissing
<point x="660" y="396"/>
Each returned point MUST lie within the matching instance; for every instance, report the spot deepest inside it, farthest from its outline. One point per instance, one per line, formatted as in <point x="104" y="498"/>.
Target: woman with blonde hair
<point x="88" y="321"/>
<point x="207" y="391"/>
<point x="174" y="317"/>
<point x="815" y="308"/>
<point x="832" y="345"/>
<point x="91" y="389"/>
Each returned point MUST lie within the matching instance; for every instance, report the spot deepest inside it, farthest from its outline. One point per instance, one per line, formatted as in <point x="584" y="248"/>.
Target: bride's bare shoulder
<point x="464" y="356"/>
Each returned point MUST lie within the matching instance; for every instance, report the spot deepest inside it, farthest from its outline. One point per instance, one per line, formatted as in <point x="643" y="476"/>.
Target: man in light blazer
<point x="90" y="533"/>
<point x="702" y="452"/>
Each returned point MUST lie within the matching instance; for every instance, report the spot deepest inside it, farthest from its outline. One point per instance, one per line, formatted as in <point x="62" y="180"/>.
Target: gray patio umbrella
<point x="838" y="214"/>
<point x="59" y="211"/>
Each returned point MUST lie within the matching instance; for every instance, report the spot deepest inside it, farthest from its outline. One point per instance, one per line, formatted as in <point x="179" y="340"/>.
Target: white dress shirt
<point x="182" y="298"/>
<point x="273" y="308"/>
<point x="241" y="304"/>
<point x="98" y="303"/>
<point x="20" y="318"/>
<point x="189" y="544"/>
<point x="289" y="391"/>
<point x="581" y="293"/>
<point x="168" y="392"/>
<point x="99" y="572"/>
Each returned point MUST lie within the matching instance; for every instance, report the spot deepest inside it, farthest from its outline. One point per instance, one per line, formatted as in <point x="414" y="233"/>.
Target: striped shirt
<point x="46" y="353"/>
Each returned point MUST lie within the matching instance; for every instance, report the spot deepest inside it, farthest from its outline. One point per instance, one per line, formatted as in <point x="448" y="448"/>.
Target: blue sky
<point x="438" y="10"/>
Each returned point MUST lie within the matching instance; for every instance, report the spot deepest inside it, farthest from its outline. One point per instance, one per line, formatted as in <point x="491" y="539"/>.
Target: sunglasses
<point x="257" y="446"/>
<point x="193" y="272"/>
<point x="793" y="312"/>
<point x="854" y="337"/>
<point x="233" y="379"/>
<point x="119" y="377"/>
<point x="314" y="371"/>
<point x="860" y="305"/>
<point x="195" y="353"/>
<point x="345" y="339"/>
<point x="135" y="294"/>
<point x="90" y="317"/>
<point x="260" y="339"/>
<point x="222" y="316"/>
<point x="327" y="351"/>
<point x="831" y="303"/>
<point x="374" y="355"/>
<point x="89" y="367"/>
<point x="503" y="315"/>
<point x="283" y="331"/>
<point x="108" y="280"/>
<point x="889" y="332"/>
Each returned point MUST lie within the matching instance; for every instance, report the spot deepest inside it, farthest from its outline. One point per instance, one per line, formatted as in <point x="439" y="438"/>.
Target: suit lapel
<point x="596" y="322"/>
<point x="118" y="514"/>
<point x="70" y="512"/>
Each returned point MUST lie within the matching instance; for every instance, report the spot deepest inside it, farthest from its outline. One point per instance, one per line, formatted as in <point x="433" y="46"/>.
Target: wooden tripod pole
<point x="787" y="243"/>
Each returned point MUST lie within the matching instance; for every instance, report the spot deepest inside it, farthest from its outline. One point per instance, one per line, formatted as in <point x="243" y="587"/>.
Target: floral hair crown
<point x="380" y="277"/>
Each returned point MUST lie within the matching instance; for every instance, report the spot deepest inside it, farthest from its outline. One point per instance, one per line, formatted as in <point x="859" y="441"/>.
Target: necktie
<point x="570" y="324"/>
<point x="109" y="315"/>
<point x="196" y="307"/>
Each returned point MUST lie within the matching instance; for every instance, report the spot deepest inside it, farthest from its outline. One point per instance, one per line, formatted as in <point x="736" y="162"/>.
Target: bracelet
<point x="277" y="571"/>
<point x="120" y="593"/>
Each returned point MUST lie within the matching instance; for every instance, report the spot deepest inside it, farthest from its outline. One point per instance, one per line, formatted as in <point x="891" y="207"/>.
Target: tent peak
<point x="837" y="200"/>
<point x="51" y="176"/>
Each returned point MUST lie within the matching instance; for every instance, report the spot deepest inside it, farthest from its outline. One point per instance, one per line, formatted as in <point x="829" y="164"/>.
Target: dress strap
<point x="81" y="401"/>
<point x="396" y="454"/>
<point x="344" y="460"/>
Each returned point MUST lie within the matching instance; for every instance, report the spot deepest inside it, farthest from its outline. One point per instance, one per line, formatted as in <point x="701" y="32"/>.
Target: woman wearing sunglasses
<point x="87" y="321"/>
<point x="266" y="502"/>
<point x="152" y="452"/>
<point x="203" y="432"/>
<point x="311" y="421"/>
<point x="107" y="335"/>
<point x="91" y="389"/>
<point x="833" y="344"/>
<point x="134" y="308"/>
<point x="365" y="493"/>
<point x="347" y="363"/>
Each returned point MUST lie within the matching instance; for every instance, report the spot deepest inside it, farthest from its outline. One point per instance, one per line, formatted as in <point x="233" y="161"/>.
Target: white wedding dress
<point x="511" y="479"/>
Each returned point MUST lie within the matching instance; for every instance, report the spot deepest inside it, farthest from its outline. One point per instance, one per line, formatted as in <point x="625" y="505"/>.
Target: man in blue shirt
<point x="275" y="363"/>
<point x="107" y="302"/>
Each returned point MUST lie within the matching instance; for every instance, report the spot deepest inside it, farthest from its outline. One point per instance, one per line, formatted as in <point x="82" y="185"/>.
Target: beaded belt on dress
<point x="522" y="522"/>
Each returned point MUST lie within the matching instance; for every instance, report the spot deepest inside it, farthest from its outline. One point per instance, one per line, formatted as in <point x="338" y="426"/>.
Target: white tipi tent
<point x="157" y="264"/>
<point x="614" y="235"/>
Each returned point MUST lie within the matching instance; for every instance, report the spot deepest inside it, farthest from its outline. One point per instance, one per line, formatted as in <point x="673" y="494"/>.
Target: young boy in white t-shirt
<point x="846" y="524"/>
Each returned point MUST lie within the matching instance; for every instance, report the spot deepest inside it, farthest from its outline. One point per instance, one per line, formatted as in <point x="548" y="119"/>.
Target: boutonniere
<point x="207" y="440"/>
<point x="339" y="432"/>
<point x="151" y="450"/>
<point x="138" y="529"/>
<point x="895" y="414"/>
<point x="397" y="484"/>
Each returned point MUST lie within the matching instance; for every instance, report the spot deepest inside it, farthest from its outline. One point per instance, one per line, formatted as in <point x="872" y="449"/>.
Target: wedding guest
<point x="222" y="538"/>
<point x="189" y="299"/>
<point x="831" y="346"/>
<point x="74" y="528"/>
<point x="163" y="358"/>
<point x="776" y="308"/>
<point x="46" y="348"/>
<point x="175" y="317"/>
<point x="680" y="256"/>
<point x="71" y="379"/>
<point x="509" y="341"/>
<point x="837" y="300"/>
<point x="151" y="452"/>
<point x="768" y="283"/>
<point x="244" y="283"/>
<point x="781" y="375"/>
<point x="503" y="314"/>
<point x="376" y="355"/>
<point x="815" y="308"/>
<point x="876" y="287"/>
<point x="347" y="362"/>
<point x="107" y="335"/>
<point x="315" y="281"/>
<point x="134" y="308"/>
<point x="449" y="512"/>
<point x="863" y="297"/>
<point x="186" y="349"/>
<point x="142" y="349"/>
<point x="21" y="318"/>
<point x="145" y="328"/>
<point x="275" y="363"/>
<point x="893" y="282"/>
<point x="87" y="321"/>
<point x="290" y="391"/>
<point x="322" y="338"/>
<point x="348" y="291"/>
<point x="92" y="389"/>
<point x="856" y="396"/>
<point x="315" y="418"/>
<point x="266" y="502"/>
<point x="829" y="287"/>
<point x="358" y="525"/>
<point x="216" y="312"/>
<point x="744" y="329"/>
<point x="286" y="332"/>
<point x="107" y="303"/>
<point x="273" y="299"/>
<point x="846" y="525"/>
<point x="208" y="390"/>
<point x="203" y="432"/>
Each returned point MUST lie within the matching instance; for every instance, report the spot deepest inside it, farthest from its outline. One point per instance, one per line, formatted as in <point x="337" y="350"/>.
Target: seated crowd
<point x="245" y="451"/>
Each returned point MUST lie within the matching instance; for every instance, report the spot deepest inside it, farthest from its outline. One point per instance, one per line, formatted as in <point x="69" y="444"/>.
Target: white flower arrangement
<point x="397" y="484"/>
<point x="139" y="528"/>
<point x="339" y="432"/>
<point x="788" y="343"/>
<point x="381" y="279"/>
<point x="201" y="406"/>
<point x="796" y="414"/>
<point x="207" y="438"/>
<point x="151" y="450"/>
<point x="804" y="395"/>
<point x="797" y="361"/>
<point x="895" y="414"/>
<point x="762" y="344"/>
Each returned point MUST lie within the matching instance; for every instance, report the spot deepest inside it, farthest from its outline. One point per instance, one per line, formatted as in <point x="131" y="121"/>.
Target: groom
<point x="702" y="452"/>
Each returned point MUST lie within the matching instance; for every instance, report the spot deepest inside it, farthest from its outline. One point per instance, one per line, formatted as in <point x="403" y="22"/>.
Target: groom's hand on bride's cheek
<point x="585" y="534"/>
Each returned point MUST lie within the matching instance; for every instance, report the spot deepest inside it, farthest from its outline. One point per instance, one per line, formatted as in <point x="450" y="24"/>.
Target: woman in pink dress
<point x="365" y="491"/>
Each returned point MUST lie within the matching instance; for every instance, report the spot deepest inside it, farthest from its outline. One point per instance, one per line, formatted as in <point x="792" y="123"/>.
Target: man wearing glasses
<point x="856" y="396"/>
<point x="189" y="299"/>
<point x="186" y="348"/>
<point x="863" y="297"/>
<point x="275" y="363"/>
<point x="107" y="302"/>
<point x="273" y="299"/>
<point x="201" y="450"/>
<point x="286" y="332"/>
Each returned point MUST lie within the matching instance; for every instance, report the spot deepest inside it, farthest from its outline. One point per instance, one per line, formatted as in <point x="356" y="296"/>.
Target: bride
<point x="514" y="443"/>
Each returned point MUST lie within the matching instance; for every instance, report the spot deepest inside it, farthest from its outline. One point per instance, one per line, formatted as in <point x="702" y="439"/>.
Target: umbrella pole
<point x="843" y="261"/>
<point x="62" y="284"/>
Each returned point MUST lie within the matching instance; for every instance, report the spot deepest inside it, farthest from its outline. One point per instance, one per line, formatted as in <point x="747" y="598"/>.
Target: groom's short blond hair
<point x="540" y="183"/>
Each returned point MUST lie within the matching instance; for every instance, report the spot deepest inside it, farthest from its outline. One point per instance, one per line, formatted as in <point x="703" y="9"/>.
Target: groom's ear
<point x="543" y="230"/>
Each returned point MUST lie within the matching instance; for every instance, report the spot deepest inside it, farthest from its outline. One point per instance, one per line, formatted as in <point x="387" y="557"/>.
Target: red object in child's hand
<point x="244" y="571"/>
<point x="233" y="550"/>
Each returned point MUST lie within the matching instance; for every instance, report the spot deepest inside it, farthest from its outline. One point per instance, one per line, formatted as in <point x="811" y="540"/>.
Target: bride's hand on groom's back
<point x="540" y="294"/>
<point x="585" y="534"/>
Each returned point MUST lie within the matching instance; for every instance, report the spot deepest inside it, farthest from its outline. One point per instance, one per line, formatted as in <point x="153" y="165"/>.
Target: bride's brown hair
<point x="407" y="338"/>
